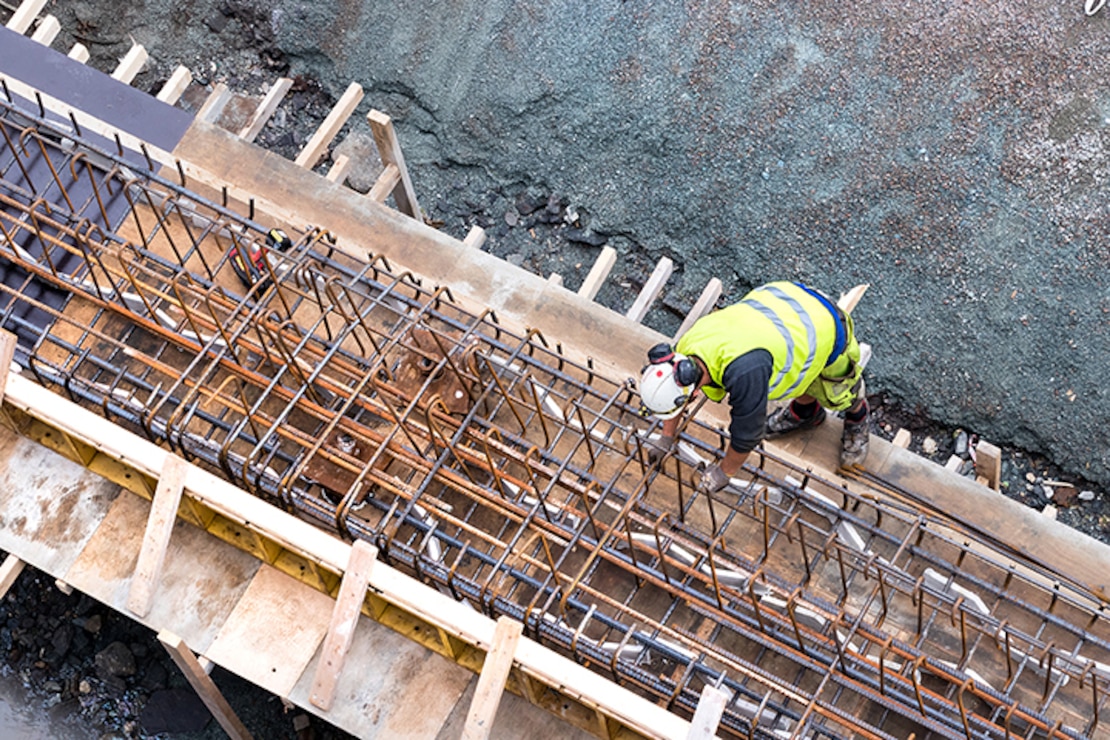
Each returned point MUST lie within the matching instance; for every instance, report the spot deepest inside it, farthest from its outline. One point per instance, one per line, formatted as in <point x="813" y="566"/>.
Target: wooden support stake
<point x="175" y="85"/>
<point x="25" y="15"/>
<point x="79" y="53"/>
<point x="475" y="238"/>
<point x="385" y="184"/>
<point x="214" y="104"/>
<point x="203" y="684"/>
<point x="344" y="619"/>
<point x="988" y="463"/>
<point x="47" y="31"/>
<point x="328" y="130"/>
<point x="340" y="169"/>
<point x="62" y="586"/>
<point x="849" y="300"/>
<point x="651" y="290"/>
<point x="954" y="463"/>
<point x="159" y="526"/>
<point x="7" y="352"/>
<point x="131" y="64"/>
<point x="555" y="279"/>
<point x="9" y="571"/>
<point x="707" y="716"/>
<point x="389" y="148"/>
<point x="604" y="264"/>
<point x="902" y="439"/>
<point x="704" y="305"/>
<point x="491" y="681"/>
<point x="266" y="108"/>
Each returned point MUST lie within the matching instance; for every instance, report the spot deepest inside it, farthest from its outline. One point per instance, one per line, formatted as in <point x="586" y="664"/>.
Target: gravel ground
<point x="954" y="155"/>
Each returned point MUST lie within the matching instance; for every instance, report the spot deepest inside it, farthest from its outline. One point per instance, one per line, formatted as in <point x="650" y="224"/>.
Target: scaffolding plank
<point x="344" y="618"/>
<point x="163" y="514"/>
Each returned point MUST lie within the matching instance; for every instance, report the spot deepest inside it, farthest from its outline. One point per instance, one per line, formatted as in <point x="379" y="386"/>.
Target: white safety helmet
<point x="667" y="382"/>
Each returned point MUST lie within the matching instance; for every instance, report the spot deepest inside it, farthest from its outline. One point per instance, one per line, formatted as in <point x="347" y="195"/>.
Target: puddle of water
<point x="23" y="717"/>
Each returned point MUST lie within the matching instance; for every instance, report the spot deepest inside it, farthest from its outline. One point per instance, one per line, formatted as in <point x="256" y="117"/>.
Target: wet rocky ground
<point x="949" y="189"/>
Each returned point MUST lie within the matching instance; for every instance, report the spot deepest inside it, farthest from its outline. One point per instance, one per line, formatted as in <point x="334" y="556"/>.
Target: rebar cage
<point x="496" y="468"/>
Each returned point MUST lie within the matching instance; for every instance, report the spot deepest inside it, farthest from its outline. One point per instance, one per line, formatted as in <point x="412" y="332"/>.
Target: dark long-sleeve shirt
<point x="747" y="380"/>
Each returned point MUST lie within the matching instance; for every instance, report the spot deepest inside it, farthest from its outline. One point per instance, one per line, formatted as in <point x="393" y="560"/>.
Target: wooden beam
<point x="955" y="462"/>
<point x="651" y="290"/>
<point x="344" y="619"/>
<point x="159" y="527"/>
<point x="555" y="279"/>
<point x="79" y="53"/>
<point x="389" y="148"/>
<point x="385" y="184"/>
<point x="848" y="301"/>
<point x="702" y="306"/>
<point x="131" y="64"/>
<point x="25" y="15"/>
<point x="7" y="353"/>
<point x="601" y="269"/>
<point x="62" y="586"/>
<point x="312" y="152"/>
<point x="47" y="30"/>
<point x="203" y="684"/>
<point x="475" y="238"/>
<point x="491" y="681"/>
<point x="988" y="463"/>
<point x="340" y="168"/>
<point x="214" y="104"/>
<point x="9" y="571"/>
<point x="266" y="108"/>
<point x="902" y="439"/>
<point x="175" y="85"/>
<point x="707" y="717"/>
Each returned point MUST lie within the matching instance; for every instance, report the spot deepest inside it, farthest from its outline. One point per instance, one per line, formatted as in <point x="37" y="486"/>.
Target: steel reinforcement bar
<point x="495" y="467"/>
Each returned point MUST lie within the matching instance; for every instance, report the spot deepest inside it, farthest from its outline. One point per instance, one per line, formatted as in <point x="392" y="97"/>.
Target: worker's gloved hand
<point x="712" y="479"/>
<point x="655" y="449"/>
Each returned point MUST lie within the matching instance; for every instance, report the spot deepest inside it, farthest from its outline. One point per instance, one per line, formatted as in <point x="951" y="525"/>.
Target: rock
<point x="84" y="687"/>
<point x="154" y="677"/>
<point x="961" y="445"/>
<point x="365" y="167"/>
<point x="115" y="660"/>
<point x="93" y="624"/>
<point x="1086" y="495"/>
<point x="174" y="711"/>
<point x="586" y="236"/>
<point x="1049" y="511"/>
<point x="1065" y="496"/>
<point x="216" y="22"/>
<point x="1031" y="477"/>
<point x="52" y="686"/>
<point x="516" y="259"/>
<point x="526" y="204"/>
<point x="929" y="446"/>
<point x="512" y="217"/>
<point x="62" y="638"/>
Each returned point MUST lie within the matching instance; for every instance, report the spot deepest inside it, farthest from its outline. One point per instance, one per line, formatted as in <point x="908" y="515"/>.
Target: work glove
<point x="712" y="479"/>
<point x="655" y="449"/>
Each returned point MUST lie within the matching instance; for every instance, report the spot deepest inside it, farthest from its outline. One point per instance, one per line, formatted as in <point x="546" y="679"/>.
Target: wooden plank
<point x="902" y="439"/>
<point x="385" y="184"/>
<point x="25" y="15"/>
<point x="491" y="681"/>
<point x="707" y="717"/>
<point x="555" y="279"/>
<point x="62" y="586"/>
<point x="340" y="168"/>
<point x="601" y="269"/>
<point x="988" y="463"/>
<point x="175" y="85"/>
<point x="7" y="352"/>
<point x="203" y="684"/>
<point x="389" y="148"/>
<point x="312" y="152"/>
<point x="848" y="301"/>
<point x="651" y="290"/>
<point x="266" y="108"/>
<point x="79" y="53"/>
<point x="344" y="619"/>
<point x="954" y="463"/>
<point x="214" y="104"/>
<point x="9" y="571"/>
<point x="47" y="30"/>
<point x="475" y="238"/>
<point x="131" y="64"/>
<point x="702" y="306"/>
<point x="159" y="527"/>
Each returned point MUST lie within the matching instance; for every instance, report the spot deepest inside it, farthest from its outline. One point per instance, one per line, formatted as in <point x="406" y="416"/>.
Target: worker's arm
<point x="746" y="379"/>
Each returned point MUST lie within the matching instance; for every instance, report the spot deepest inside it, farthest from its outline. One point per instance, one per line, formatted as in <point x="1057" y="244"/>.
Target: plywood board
<point x="380" y="666"/>
<point x="517" y="719"/>
<point x="273" y="632"/>
<point x="49" y="506"/>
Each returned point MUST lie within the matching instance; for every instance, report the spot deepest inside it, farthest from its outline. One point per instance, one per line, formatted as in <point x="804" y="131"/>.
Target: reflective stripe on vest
<point x="782" y="318"/>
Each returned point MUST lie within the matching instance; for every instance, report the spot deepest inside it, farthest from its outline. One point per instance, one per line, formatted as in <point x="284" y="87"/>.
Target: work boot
<point x="853" y="443"/>
<point x="785" y="420"/>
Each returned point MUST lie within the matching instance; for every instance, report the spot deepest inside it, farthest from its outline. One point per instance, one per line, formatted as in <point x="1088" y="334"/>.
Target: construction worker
<point x="781" y="341"/>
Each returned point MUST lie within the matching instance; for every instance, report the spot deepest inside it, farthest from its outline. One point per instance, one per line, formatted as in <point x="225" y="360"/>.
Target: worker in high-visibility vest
<point x="781" y="341"/>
